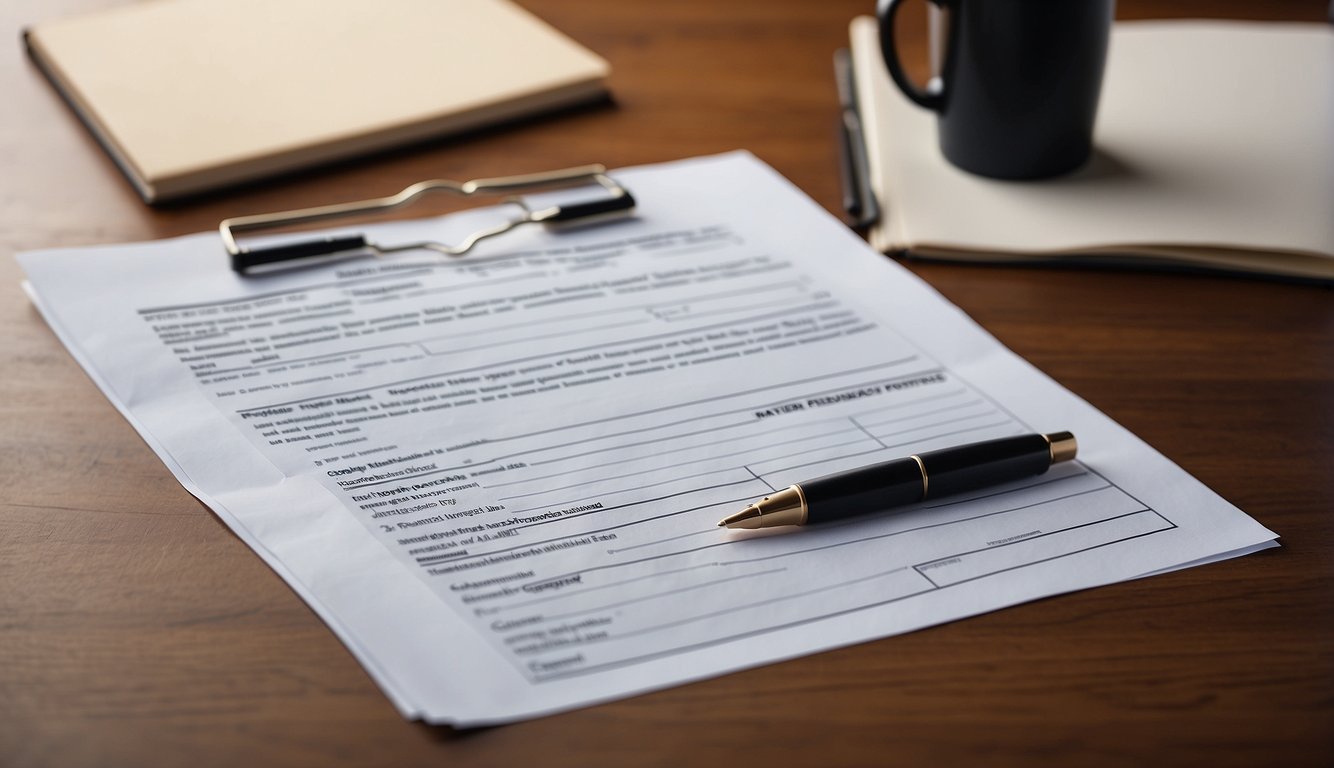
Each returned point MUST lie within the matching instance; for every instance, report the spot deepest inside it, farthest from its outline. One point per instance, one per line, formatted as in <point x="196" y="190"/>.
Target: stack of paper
<point x="498" y="479"/>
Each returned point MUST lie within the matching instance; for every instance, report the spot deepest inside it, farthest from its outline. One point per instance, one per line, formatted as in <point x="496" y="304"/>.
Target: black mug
<point x="1019" y="84"/>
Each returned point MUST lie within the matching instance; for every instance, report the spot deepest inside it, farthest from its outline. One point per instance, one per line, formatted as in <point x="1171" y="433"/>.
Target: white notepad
<point x="1213" y="148"/>
<point x="189" y="95"/>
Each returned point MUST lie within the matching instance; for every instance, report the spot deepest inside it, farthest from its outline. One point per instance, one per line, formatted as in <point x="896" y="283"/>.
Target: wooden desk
<point x="136" y="630"/>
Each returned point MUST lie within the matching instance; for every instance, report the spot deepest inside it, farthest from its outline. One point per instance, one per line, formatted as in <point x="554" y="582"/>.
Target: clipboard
<point x="610" y="200"/>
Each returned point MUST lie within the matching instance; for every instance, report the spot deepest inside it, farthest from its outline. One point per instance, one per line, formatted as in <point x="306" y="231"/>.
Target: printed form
<point x="499" y="478"/>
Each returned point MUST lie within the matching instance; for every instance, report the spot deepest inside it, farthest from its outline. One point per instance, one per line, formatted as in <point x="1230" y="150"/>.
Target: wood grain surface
<point x="136" y="630"/>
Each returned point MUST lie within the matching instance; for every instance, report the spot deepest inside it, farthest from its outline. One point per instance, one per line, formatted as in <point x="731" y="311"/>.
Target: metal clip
<point x="247" y="261"/>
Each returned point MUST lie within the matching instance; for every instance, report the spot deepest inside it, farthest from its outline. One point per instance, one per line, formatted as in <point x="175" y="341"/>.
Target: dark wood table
<point x="136" y="630"/>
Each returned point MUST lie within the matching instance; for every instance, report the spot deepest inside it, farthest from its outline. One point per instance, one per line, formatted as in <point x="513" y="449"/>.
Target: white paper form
<point x="498" y="479"/>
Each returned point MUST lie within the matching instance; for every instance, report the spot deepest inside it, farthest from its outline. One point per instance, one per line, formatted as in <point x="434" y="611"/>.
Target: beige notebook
<point x="1215" y="149"/>
<point x="190" y="95"/>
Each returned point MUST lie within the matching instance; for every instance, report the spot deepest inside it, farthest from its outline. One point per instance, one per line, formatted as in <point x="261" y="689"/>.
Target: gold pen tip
<point x="785" y="507"/>
<point x="746" y="518"/>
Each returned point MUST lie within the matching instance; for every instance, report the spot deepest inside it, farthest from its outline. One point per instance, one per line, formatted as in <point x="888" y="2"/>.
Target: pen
<point x="858" y="198"/>
<point x="879" y="487"/>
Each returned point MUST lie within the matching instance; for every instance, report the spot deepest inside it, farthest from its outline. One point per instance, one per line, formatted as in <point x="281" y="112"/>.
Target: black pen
<point x="858" y="198"/>
<point x="889" y="484"/>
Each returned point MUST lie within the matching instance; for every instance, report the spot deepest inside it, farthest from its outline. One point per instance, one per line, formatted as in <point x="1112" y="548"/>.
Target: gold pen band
<point x="921" y="467"/>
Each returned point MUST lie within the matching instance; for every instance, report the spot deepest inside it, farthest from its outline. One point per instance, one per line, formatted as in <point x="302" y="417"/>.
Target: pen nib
<point x="746" y="518"/>
<point x="785" y="507"/>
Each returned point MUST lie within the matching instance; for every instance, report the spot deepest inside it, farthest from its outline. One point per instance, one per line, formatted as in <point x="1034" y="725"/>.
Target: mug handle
<point x="886" y="11"/>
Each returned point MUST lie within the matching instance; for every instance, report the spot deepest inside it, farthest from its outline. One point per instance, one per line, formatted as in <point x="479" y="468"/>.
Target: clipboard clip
<point x="616" y="202"/>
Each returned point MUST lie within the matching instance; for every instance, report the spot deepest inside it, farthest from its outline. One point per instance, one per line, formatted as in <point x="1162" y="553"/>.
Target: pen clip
<point x="255" y="259"/>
